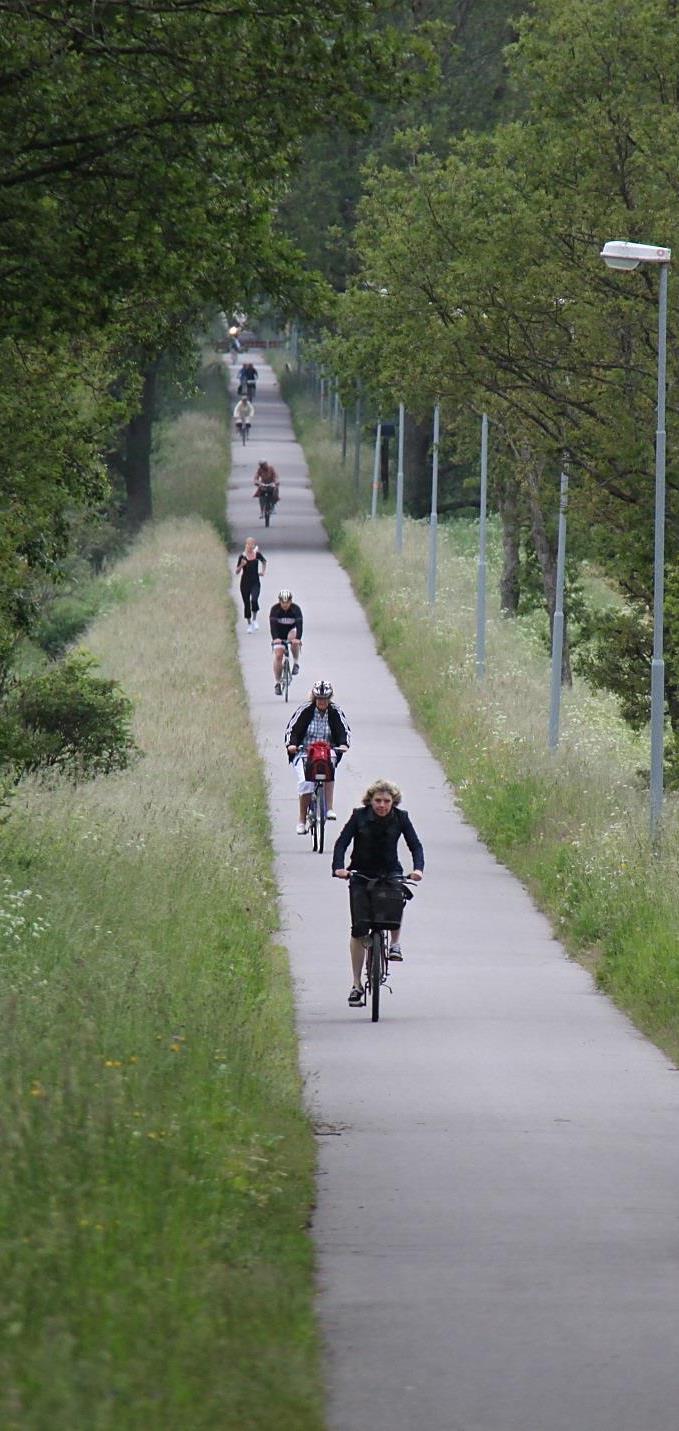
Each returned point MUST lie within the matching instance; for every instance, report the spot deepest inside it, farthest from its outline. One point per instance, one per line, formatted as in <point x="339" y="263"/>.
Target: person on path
<point x="247" y="380"/>
<point x="265" y="481"/>
<point x="318" y="719"/>
<point x="286" y="624"/>
<point x="243" y="414"/>
<point x="251" y="565"/>
<point x="375" y="827"/>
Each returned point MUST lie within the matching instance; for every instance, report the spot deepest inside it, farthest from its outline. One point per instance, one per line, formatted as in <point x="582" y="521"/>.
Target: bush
<point x="67" y="718"/>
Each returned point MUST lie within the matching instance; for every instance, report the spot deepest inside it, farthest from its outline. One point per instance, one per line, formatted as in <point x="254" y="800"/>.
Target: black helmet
<point x="322" y="689"/>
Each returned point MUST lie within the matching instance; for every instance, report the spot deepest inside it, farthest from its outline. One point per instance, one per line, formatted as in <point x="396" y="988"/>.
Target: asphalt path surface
<point x="498" y="1192"/>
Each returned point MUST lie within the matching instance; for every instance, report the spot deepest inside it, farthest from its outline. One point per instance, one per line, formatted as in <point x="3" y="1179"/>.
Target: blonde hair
<point x="388" y="787"/>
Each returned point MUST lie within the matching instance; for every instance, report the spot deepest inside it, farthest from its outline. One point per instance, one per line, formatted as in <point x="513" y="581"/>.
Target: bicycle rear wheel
<point x="375" y="975"/>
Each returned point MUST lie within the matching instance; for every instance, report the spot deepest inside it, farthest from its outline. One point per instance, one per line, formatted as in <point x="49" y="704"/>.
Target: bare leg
<point x="357" y="947"/>
<point x="395" y="936"/>
<point x="277" y="662"/>
<point x="329" y="794"/>
<point x="304" y="802"/>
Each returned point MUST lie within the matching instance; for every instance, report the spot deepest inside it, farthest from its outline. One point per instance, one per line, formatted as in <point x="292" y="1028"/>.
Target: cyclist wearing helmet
<point x="286" y="622"/>
<point x="318" y="719"/>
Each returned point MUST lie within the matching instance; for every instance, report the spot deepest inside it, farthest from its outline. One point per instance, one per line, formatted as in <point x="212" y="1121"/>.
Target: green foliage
<point x="66" y="718"/>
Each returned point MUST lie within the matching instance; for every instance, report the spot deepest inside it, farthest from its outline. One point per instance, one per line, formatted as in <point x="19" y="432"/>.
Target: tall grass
<point x="573" y="824"/>
<point x="157" y="1167"/>
<point x="190" y="456"/>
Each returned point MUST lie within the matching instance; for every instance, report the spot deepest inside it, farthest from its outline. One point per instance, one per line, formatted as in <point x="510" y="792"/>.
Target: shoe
<point x="295" y="669"/>
<point x="301" y="827"/>
<point x="395" y="953"/>
<point x="250" y="628"/>
<point x="255" y="625"/>
<point x="356" y="997"/>
<point x="278" y="689"/>
<point x="330" y="815"/>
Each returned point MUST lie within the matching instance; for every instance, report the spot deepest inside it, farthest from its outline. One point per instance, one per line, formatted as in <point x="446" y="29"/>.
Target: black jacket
<point x="281" y="622"/>
<point x="299" y="723"/>
<point x="376" y="840"/>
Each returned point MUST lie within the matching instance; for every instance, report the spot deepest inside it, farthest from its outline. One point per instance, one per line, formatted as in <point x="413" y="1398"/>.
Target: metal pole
<point x="433" y="519"/>
<point x="481" y="584"/>
<point x="322" y="396"/>
<point x="399" y="478"/>
<point x="335" y="410"/>
<point x="658" y="663"/>
<point x="357" y="441"/>
<point x="376" y="468"/>
<point x="344" y="434"/>
<point x="557" y="627"/>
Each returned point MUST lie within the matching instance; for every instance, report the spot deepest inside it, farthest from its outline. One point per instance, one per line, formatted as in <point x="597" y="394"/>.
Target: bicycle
<point x="286" y="671"/>
<point x="244" y="430"/>
<point x="268" y="501"/>
<point x="317" y="813"/>
<point x="377" y="941"/>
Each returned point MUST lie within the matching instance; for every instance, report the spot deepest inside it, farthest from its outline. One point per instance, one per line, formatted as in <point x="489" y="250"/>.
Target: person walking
<point x="251" y="566"/>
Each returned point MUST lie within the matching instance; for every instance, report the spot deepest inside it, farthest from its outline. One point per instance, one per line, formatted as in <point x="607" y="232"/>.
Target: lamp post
<point x="376" y="468"/>
<point x="557" y="623"/>
<point x="399" y="478"/>
<point x="357" y="441"/>
<point x="620" y="254"/>
<point x="433" y="519"/>
<point x="481" y="584"/>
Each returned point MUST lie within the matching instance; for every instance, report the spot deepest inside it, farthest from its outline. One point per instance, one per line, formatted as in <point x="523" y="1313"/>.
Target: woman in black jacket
<point x="376" y="828"/>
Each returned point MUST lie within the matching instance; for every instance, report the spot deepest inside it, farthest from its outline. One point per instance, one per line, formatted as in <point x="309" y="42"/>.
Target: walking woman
<point x="251" y="565"/>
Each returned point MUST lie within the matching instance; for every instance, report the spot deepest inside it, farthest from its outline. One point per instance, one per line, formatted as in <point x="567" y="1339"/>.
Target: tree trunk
<point x="546" y="554"/>
<point x="137" y="460"/>
<point x="509" y="504"/>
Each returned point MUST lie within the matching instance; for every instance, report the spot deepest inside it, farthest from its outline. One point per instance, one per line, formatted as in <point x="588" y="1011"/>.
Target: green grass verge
<point x="158" y="1170"/>
<point x="574" y="825"/>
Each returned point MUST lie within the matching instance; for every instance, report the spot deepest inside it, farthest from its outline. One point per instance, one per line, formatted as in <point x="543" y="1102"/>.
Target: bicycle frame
<point x="377" y="954"/>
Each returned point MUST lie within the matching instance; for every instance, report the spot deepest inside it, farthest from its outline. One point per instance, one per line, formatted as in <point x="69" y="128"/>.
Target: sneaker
<point x="255" y="624"/>
<point x="278" y="689"/>
<point x="356" y="997"/>
<point x="395" y="953"/>
<point x="295" y="669"/>
<point x="301" y="827"/>
<point x="250" y="628"/>
<point x="330" y="815"/>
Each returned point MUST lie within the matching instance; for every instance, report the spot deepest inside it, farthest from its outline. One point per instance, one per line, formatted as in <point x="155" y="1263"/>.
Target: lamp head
<point x="618" y="253"/>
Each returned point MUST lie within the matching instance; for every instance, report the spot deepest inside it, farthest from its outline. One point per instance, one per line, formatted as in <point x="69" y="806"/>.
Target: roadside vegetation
<point x="157" y="1166"/>
<point x="574" y="824"/>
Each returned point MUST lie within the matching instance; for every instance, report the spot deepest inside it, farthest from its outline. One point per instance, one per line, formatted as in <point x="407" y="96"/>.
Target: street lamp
<point x="620" y="254"/>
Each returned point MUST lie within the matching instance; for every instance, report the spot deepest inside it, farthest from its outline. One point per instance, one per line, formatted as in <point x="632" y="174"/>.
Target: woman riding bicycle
<point x="376" y="828"/>
<point x="243" y="414"/>
<point x="318" y="719"/>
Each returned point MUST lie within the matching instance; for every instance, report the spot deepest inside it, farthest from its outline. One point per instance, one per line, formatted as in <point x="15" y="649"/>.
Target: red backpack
<point x="318" y="761"/>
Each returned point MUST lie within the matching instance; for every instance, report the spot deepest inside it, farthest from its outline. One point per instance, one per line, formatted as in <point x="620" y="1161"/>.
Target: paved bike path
<point x="498" y="1193"/>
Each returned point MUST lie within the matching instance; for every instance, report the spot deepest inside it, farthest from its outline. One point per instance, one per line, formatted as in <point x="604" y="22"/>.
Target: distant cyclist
<point x="247" y="380"/>
<point x="286" y="622"/>
<point x="318" y="719"/>
<point x="376" y="827"/>
<point x="243" y="414"/>
<point x="266" y="485"/>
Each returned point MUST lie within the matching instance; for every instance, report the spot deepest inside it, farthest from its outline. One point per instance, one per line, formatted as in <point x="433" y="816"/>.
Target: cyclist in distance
<point x="250" y="565"/>
<point x="318" y="719"/>
<point x="286" y="623"/>
<point x="376" y="827"/>
<point x="247" y="380"/>
<point x="243" y="414"/>
<point x="265" y="480"/>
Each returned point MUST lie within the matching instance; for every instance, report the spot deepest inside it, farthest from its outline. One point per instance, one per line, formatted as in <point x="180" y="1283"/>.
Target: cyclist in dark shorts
<point x="286" y="623"/>
<point x="249" y="563"/>
<point x="375" y="828"/>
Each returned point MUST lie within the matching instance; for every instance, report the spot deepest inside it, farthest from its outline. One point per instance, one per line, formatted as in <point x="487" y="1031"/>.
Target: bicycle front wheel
<point x="375" y="975"/>
<point x="313" y="823"/>
<point x="320" y="819"/>
<point x="285" y="678"/>
<point x="267" y="515"/>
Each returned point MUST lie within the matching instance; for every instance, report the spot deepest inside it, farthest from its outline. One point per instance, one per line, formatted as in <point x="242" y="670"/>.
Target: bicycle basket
<point x="319" y="761"/>
<point x="386" y="902"/>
